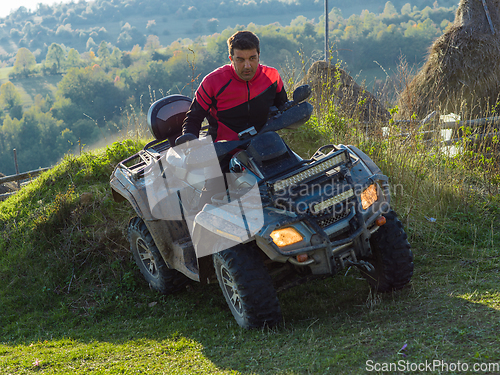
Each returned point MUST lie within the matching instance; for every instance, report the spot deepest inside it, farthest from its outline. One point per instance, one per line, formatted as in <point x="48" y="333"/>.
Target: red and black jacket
<point x="234" y="104"/>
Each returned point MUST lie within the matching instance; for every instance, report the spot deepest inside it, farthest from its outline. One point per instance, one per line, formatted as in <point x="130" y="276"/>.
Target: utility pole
<point x="327" y="58"/>
<point x="17" y="167"/>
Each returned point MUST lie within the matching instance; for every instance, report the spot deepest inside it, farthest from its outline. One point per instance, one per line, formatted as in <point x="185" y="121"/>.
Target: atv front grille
<point x="332" y="219"/>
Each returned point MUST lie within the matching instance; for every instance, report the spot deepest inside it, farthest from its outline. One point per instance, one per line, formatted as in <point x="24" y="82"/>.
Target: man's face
<point x="245" y="62"/>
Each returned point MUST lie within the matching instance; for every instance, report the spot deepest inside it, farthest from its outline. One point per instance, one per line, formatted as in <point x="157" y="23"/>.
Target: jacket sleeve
<point x="194" y="117"/>
<point x="281" y="97"/>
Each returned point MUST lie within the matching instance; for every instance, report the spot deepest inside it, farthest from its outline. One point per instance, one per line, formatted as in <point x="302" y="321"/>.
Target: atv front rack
<point x="311" y="171"/>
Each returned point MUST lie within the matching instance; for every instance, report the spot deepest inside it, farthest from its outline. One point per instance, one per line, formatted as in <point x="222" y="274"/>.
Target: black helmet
<point x="165" y="116"/>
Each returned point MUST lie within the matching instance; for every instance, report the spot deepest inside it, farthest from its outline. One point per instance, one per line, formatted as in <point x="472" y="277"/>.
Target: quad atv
<point x="272" y="221"/>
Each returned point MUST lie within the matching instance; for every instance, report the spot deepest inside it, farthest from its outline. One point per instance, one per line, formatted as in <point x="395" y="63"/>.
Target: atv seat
<point x="165" y="117"/>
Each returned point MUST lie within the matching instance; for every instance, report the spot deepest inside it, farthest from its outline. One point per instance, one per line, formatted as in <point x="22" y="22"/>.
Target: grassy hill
<point x="30" y="87"/>
<point x="73" y="302"/>
<point x="4" y="74"/>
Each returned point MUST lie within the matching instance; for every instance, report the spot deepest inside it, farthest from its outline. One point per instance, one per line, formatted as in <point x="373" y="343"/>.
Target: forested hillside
<point x="84" y="24"/>
<point x="105" y="86"/>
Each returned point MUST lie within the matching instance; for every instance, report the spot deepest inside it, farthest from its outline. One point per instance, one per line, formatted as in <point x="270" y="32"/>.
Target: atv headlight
<point x="318" y="168"/>
<point x="369" y="196"/>
<point x="334" y="200"/>
<point x="286" y="236"/>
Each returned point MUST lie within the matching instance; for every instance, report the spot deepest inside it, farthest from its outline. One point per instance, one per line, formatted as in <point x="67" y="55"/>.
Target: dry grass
<point x="332" y="85"/>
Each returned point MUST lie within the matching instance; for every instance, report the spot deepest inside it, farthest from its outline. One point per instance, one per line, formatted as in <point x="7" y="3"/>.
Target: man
<point x="233" y="98"/>
<point x="238" y="95"/>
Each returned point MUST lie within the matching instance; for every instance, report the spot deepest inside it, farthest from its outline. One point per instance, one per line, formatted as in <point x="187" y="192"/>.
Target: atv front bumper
<point x="324" y="249"/>
<point x="324" y="245"/>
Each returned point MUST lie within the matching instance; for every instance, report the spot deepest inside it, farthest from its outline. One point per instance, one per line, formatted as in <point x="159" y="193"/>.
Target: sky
<point x="7" y="6"/>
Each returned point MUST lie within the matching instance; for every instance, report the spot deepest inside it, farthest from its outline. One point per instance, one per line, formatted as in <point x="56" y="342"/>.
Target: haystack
<point x="462" y="71"/>
<point x="329" y="82"/>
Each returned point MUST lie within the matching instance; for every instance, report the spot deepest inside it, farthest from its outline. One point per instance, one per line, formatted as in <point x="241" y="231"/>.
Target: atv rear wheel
<point x="151" y="264"/>
<point x="247" y="287"/>
<point x="391" y="257"/>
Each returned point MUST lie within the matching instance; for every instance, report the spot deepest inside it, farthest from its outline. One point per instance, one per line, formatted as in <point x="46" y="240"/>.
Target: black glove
<point x="185" y="138"/>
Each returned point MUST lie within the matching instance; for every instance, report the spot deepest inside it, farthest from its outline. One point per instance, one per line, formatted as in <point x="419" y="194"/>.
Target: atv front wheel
<point x="391" y="257"/>
<point x="150" y="262"/>
<point x="247" y="287"/>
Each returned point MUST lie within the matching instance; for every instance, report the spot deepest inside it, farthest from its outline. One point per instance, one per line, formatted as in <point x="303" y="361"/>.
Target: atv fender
<point x="367" y="161"/>
<point x="120" y="192"/>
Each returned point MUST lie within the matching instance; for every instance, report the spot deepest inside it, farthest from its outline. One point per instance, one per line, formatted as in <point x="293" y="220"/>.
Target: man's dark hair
<point x="243" y="40"/>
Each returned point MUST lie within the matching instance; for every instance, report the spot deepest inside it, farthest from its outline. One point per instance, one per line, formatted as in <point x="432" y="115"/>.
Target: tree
<point x="92" y="92"/>
<point x="130" y="36"/>
<point x="28" y="29"/>
<point x="11" y="100"/>
<point x="212" y="25"/>
<point x="196" y="28"/>
<point x="127" y="59"/>
<point x="9" y="133"/>
<point x="309" y="30"/>
<point x="103" y="54"/>
<point x="152" y="43"/>
<point x="37" y="137"/>
<point x="42" y="103"/>
<point x="116" y="58"/>
<point x="25" y="61"/>
<point x="91" y="45"/>
<point x="151" y="26"/>
<point x="74" y="60"/>
<point x="354" y="28"/>
<point x="389" y="10"/>
<point x="9" y="96"/>
<point x="124" y="40"/>
<point x="406" y="9"/>
<point x="55" y="58"/>
<point x="65" y="32"/>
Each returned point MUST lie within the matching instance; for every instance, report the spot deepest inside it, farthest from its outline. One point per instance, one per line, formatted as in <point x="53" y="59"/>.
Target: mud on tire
<point x="247" y="287"/>
<point x="391" y="257"/>
<point x="150" y="262"/>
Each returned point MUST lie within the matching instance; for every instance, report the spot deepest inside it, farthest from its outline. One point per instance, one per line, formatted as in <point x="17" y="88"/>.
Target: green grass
<point x="73" y="302"/>
<point x="32" y="86"/>
<point x="333" y="326"/>
<point x="4" y="74"/>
